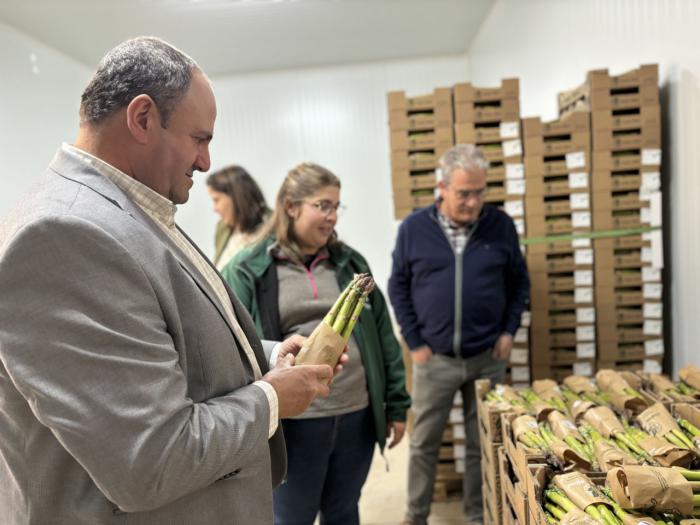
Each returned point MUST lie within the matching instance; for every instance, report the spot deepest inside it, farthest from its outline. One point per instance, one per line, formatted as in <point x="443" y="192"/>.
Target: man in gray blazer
<point x="133" y="388"/>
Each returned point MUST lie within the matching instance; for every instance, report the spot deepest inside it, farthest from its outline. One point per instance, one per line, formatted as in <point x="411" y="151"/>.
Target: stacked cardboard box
<point x="558" y="203"/>
<point x="450" y="467"/>
<point x="421" y="130"/>
<point x="626" y="184"/>
<point x="490" y="119"/>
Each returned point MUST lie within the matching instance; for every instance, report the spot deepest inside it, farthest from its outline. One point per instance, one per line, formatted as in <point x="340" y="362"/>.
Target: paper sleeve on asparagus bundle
<point x="632" y="379"/>
<point x="568" y="456"/>
<point x="562" y="426"/>
<point x="579" y="408"/>
<point x="579" y="384"/>
<point x="651" y="488"/>
<point x="657" y="421"/>
<point x="690" y="374"/>
<point x="622" y="395"/>
<point x="609" y="456"/>
<point x="579" y="489"/>
<point x="526" y="432"/>
<point x="661" y="383"/>
<point x="604" y="421"/>
<point x="326" y="343"/>
<point x="665" y="454"/>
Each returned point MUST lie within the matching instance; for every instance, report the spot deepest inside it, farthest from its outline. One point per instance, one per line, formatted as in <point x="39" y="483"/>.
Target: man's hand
<point x="293" y="344"/>
<point x="422" y="354"/>
<point x="503" y="346"/>
<point x="395" y="430"/>
<point x="297" y="386"/>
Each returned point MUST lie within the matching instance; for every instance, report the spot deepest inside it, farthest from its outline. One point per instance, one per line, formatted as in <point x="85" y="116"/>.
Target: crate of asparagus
<point x="662" y="389"/>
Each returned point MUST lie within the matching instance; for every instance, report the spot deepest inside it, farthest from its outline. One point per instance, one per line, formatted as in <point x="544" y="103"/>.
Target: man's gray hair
<point x="140" y="66"/>
<point x="467" y="157"/>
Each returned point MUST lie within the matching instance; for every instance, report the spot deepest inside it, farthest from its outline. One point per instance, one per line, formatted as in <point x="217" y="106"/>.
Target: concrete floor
<point x="384" y="494"/>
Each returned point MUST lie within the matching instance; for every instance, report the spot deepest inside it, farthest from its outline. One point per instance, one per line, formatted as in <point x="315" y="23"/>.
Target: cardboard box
<point x="519" y="457"/>
<point x="422" y="161"/>
<point x="607" y="201"/>
<point x="613" y="351"/>
<point x="471" y="133"/>
<point x="488" y="415"/>
<point x="645" y="138"/>
<point x="648" y="364"/>
<point x="568" y="262"/>
<point x="585" y="368"/>
<point x="632" y="159"/>
<point x="397" y="100"/>
<point x="406" y="179"/>
<point x="616" y="120"/>
<point x="466" y="92"/>
<point x="507" y="110"/>
<point x="539" y="145"/>
<point x="566" y="204"/>
<point x="557" y="165"/>
<point x="573" y="124"/>
<point x="401" y="212"/>
<point x="547" y="300"/>
<point x="578" y="221"/>
<point x="610" y="181"/>
<point x="413" y="198"/>
<point x="514" y="493"/>
<point x="440" y="117"/>
<point x="624" y="99"/>
<point x="438" y="140"/>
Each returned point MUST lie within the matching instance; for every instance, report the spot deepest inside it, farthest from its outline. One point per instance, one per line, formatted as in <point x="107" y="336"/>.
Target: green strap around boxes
<point x="603" y="234"/>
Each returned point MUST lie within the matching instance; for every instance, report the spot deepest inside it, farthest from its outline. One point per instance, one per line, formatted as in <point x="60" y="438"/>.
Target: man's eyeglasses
<point x="464" y="195"/>
<point x="327" y="207"/>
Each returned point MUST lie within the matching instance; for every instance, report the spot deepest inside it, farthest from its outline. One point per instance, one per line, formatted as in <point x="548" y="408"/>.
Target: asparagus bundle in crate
<point x="678" y="392"/>
<point x="690" y="377"/>
<point x="326" y="343"/>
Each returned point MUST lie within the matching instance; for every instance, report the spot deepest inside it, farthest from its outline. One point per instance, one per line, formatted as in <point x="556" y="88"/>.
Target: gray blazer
<point x="124" y="398"/>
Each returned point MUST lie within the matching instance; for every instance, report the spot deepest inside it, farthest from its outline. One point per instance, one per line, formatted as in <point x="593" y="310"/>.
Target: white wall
<point x="550" y="44"/>
<point x="335" y="116"/>
<point x="39" y="100"/>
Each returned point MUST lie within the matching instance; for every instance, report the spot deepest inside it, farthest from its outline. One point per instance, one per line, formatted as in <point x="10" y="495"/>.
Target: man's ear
<point x="442" y="188"/>
<point x="141" y="118"/>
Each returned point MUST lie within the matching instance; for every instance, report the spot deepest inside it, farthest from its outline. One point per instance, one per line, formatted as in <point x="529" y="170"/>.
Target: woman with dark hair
<point x="288" y="281"/>
<point x="240" y="204"/>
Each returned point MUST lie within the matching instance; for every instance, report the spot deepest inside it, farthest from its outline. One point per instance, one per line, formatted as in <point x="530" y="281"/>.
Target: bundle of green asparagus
<point x="326" y="343"/>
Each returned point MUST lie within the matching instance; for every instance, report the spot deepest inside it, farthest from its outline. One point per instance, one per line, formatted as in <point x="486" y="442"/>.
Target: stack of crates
<point x="450" y="467"/>
<point x="626" y="183"/>
<point x="490" y="119"/>
<point x="421" y="130"/>
<point x="558" y="205"/>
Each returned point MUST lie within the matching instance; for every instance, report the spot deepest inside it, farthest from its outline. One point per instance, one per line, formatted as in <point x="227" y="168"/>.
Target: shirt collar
<point x="153" y="203"/>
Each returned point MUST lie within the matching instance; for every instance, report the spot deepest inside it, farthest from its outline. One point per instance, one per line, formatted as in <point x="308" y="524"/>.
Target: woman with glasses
<point x="288" y="281"/>
<point x="240" y="204"/>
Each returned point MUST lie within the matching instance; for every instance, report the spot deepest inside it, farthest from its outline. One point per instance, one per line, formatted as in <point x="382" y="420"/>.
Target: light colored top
<point x="162" y="211"/>
<point x="236" y="242"/>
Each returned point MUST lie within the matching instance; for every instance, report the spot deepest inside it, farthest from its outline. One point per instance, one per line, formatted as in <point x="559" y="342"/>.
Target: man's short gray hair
<point x="140" y="66"/>
<point x="467" y="157"/>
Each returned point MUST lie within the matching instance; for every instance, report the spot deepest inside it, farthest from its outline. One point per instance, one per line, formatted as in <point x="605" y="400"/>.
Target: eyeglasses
<point x="464" y="195"/>
<point x="327" y="207"/>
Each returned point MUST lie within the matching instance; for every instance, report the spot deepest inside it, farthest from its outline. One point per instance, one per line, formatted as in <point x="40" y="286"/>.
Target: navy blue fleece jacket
<point x="494" y="283"/>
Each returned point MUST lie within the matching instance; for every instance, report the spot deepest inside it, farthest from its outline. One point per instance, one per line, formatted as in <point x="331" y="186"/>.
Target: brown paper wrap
<point x="609" y="380"/>
<point x="661" y="382"/>
<point x="623" y="401"/>
<point x="568" y="456"/>
<point x="579" y="384"/>
<point x="577" y="517"/>
<point x="690" y="374"/>
<point x="507" y="392"/>
<point x="604" y="421"/>
<point x="690" y="521"/>
<point x="578" y="408"/>
<point x="323" y="347"/>
<point x="562" y="426"/>
<point x="542" y="410"/>
<point x="666" y="454"/>
<point x="651" y="488"/>
<point x="632" y="379"/>
<point x="523" y="424"/>
<point x="657" y="421"/>
<point x="609" y="456"/>
<point x="637" y="520"/>
<point x="540" y="386"/>
<point x="579" y="489"/>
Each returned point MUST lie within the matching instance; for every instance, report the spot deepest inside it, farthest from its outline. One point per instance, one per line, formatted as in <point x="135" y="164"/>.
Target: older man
<point x="458" y="286"/>
<point x="132" y="385"/>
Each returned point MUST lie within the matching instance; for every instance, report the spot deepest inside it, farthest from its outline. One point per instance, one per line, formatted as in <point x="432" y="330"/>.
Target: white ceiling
<point x="235" y="36"/>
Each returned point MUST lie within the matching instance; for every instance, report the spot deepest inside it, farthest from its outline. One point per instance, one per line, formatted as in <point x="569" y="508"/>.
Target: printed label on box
<point x="519" y="356"/>
<point x="585" y="350"/>
<point x="585" y="315"/>
<point x="459" y="450"/>
<point x="510" y="130"/>
<point x="652" y="290"/>
<point x="581" y="219"/>
<point x="578" y="180"/>
<point x="520" y="374"/>
<point x="515" y="187"/>
<point x="585" y="333"/>
<point x="651" y="275"/>
<point x="653" y="310"/>
<point x="584" y="242"/>
<point x="460" y="466"/>
<point x="652" y="327"/>
<point x="521" y="335"/>
<point x="583" y="256"/>
<point x="457" y="400"/>
<point x="583" y="369"/>
<point x="458" y="432"/>
<point x="651" y="366"/>
<point x="511" y="148"/>
<point x="651" y="181"/>
<point x="514" y="208"/>
<point x="583" y="277"/>
<point x="583" y="295"/>
<point x="655" y="207"/>
<point x="645" y="214"/>
<point x="657" y="249"/>
<point x="515" y="171"/>
<point x="654" y="347"/>
<point x="519" y="226"/>
<point x="645" y="195"/>
<point x="580" y="201"/>
<point x="647" y="254"/>
<point x="651" y="157"/>
<point x="456" y="415"/>
<point x="526" y="318"/>
<point x="576" y="159"/>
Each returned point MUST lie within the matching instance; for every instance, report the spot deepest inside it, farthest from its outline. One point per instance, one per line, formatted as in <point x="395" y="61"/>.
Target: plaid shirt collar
<point x="151" y="202"/>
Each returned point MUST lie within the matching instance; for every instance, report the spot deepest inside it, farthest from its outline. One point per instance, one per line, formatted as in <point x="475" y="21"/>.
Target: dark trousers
<point x="328" y="462"/>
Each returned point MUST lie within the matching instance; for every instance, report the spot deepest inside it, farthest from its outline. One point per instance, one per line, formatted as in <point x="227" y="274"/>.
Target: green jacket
<point x="221" y="237"/>
<point x="253" y="276"/>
